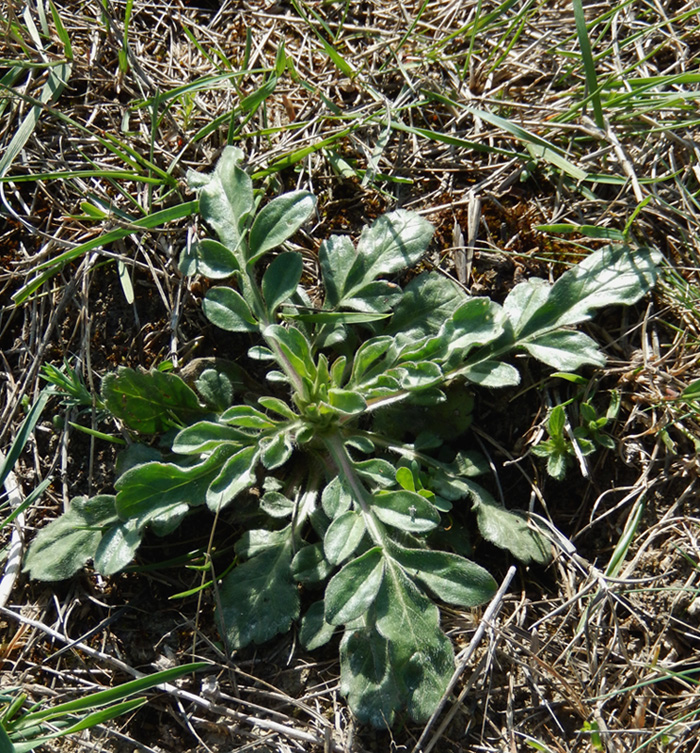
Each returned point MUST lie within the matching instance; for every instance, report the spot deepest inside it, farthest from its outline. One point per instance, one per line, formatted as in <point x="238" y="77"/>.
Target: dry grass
<point x="376" y="104"/>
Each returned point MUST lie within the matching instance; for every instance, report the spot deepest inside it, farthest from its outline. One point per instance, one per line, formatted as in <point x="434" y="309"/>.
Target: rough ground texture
<point x="438" y="107"/>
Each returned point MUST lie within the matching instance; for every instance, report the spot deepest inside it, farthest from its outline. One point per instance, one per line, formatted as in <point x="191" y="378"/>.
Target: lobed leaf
<point x="65" y="545"/>
<point x="150" y="401"/>
<point x="259" y="598"/>
<point x="452" y="578"/>
<point x="351" y="591"/>
<point x="422" y="655"/>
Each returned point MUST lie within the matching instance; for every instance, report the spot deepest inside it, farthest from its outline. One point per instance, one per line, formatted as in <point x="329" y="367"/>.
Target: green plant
<point x="22" y="731"/>
<point x="561" y="446"/>
<point x="349" y="437"/>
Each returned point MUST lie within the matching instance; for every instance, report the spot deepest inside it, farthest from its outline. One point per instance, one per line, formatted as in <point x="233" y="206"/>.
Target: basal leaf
<point x="428" y="301"/>
<point x="225" y="197"/>
<point x="278" y="221"/>
<point x="63" y="547"/>
<point x="336" y="498"/>
<point x="367" y="677"/>
<point x="613" y="275"/>
<point x="351" y="591"/>
<point x="380" y="472"/>
<point x="275" y="449"/>
<point x="281" y="279"/>
<point x="226" y="308"/>
<point x="508" y="530"/>
<point x="336" y="257"/>
<point x="276" y="505"/>
<point x="149" y="490"/>
<point x="215" y="260"/>
<point x="406" y="511"/>
<point x="422" y="655"/>
<point x="392" y="243"/>
<point x="490" y="373"/>
<point x="347" y="402"/>
<point x="376" y="297"/>
<point x="314" y="631"/>
<point x="367" y="356"/>
<point x="450" y="577"/>
<point x="150" y="401"/>
<point x="205" y="436"/>
<point x="247" y="417"/>
<point x="257" y="540"/>
<point x="237" y="474"/>
<point x="117" y="547"/>
<point x="216" y="388"/>
<point x="343" y="536"/>
<point x="295" y="348"/>
<point x="259" y="598"/>
<point x="565" y="350"/>
<point x="309" y="565"/>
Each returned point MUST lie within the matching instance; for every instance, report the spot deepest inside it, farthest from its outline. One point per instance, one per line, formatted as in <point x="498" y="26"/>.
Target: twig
<point x="183" y="695"/>
<point x="14" y="556"/>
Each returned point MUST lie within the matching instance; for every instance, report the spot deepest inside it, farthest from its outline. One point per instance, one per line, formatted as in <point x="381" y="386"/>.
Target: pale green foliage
<point x="374" y="382"/>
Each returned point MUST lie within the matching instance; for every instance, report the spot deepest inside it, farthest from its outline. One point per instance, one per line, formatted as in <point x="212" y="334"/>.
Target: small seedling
<point x="349" y="436"/>
<point x="561" y="446"/>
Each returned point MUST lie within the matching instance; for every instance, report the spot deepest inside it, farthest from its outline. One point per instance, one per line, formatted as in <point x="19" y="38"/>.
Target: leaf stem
<point x="343" y="462"/>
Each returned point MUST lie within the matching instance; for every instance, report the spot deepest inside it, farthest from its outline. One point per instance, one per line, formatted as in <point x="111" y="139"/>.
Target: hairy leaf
<point x="565" y="350"/>
<point x="351" y="591"/>
<point x="281" y="279"/>
<point x="343" y="536"/>
<point x="150" y="490"/>
<point x="237" y="474"/>
<point x="215" y="260"/>
<point x="62" y="547"/>
<point x="309" y="565"/>
<point x="508" y="530"/>
<point x="612" y="275"/>
<point x="259" y="598"/>
<point x="423" y="659"/>
<point x="117" y="547"/>
<point x="406" y="511"/>
<point x="225" y="197"/>
<point x="278" y="221"/>
<point x="314" y="631"/>
<point x="150" y="401"/>
<point x="450" y="577"/>
<point x="368" y="678"/>
<point x="205" y="436"/>
<point x="226" y="308"/>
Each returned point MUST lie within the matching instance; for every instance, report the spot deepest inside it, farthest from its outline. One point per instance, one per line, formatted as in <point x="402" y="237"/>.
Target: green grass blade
<point x="52" y="266"/>
<point x="588" y="63"/>
<point x="50" y="92"/>
<point x="22" y="435"/>
<point x="113" y="695"/>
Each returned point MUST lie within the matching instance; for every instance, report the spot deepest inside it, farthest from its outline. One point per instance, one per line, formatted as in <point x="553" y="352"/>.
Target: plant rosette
<point x="359" y="522"/>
